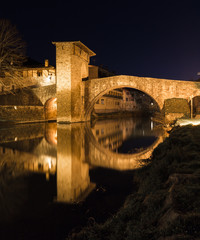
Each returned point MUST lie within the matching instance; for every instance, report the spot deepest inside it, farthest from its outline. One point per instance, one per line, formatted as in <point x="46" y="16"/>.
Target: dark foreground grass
<point x="167" y="203"/>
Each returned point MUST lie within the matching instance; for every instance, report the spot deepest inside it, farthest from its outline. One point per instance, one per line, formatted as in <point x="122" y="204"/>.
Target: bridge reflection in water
<point x="68" y="151"/>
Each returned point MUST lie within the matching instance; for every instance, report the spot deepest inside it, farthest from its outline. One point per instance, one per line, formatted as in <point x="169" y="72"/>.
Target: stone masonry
<point x="72" y="59"/>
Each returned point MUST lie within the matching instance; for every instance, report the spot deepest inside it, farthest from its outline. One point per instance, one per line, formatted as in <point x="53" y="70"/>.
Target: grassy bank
<point x="166" y="205"/>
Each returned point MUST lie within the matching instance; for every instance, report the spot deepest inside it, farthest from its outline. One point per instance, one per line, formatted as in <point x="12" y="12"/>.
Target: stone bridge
<point x="73" y="96"/>
<point x="76" y="98"/>
<point x="158" y="89"/>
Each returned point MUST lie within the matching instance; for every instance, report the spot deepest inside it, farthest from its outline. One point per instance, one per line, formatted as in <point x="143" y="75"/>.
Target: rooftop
<point x="79" y="44"/>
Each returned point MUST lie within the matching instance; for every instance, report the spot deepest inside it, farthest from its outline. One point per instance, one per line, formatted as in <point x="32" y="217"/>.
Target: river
<point x="54" y="179"/>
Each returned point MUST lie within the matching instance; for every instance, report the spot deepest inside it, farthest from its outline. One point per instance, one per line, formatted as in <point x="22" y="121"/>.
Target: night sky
<point x="140" y="38"/>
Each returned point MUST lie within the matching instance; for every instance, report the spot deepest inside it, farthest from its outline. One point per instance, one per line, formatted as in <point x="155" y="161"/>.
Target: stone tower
<point x="72" y="59"/>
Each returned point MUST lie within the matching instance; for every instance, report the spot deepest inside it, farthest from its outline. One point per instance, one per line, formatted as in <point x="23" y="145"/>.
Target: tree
<point x="12" y="54"/>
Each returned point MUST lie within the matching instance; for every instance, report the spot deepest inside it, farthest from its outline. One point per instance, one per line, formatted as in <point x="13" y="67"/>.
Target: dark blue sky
<point x="140" y="38"/>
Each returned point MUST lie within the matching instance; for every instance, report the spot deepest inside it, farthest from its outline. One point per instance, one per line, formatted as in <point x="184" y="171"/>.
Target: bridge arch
<point x="50" y="109"/>
<point x="96" y="98"/>
<point x="194" y="104"/>
<point x="96" y="88"/>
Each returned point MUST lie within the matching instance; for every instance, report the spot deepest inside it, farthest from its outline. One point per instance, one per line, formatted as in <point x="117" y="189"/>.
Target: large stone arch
<point x="94" y="100"/>
<point x="95" y="89"/>
<point x="158" y="89"/>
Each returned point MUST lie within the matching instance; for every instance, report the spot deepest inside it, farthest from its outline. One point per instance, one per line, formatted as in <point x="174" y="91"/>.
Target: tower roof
<point x="79" y="44"/>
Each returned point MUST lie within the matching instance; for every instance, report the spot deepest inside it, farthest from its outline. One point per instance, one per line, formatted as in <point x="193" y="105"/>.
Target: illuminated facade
<point x="31" y="74"/>
<point x="40" y="74"/>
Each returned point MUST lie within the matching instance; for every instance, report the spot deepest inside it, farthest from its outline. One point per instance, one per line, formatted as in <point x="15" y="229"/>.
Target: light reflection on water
<point x="60" y="157"/>
<point x="126" y="135"/>
<point x="69" y="151"/>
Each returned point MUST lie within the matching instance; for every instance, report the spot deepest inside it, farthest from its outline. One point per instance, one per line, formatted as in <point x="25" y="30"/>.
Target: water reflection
<point x="67" y="152"/>
<point x="122" y="144"/>
<point x="73" y="181"/>
<point x="126" y="135"/>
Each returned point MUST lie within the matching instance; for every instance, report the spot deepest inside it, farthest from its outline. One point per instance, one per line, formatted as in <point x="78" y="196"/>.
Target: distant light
<point x="183" y="122"/>
<point x="15" y="107"/>
<point x="151" y="125"/>
<point x="152" y="103"/>
<point x="47" y="80"/>
<point x="49" y="164"/>
<point x="15" y="139"/>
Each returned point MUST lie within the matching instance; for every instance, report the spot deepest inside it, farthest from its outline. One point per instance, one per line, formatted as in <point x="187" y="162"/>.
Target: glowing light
<point x="151" y="125"/>
<point x="48" y="79"/>
<point x="49" y="160"/>
<point x="15" y="139"/>
<point x="15" y="107"/>
<point x="183" y="122"/>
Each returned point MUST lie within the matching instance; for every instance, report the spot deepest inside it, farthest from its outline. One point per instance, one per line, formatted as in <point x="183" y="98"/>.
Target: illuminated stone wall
<point x="29" y="97"/>
<point x="72" y="59"/>
<point x="26" y="105"/>
<point x="22" y="113"/>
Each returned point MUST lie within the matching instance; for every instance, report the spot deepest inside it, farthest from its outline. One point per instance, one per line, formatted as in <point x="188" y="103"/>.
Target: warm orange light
<point x="183" y="122"/>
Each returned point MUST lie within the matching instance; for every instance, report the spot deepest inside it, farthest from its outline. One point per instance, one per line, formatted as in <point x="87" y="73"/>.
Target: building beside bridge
<point x="30" y="74"/>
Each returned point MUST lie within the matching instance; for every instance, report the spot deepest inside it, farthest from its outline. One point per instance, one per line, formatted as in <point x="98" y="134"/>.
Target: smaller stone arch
<point x="176" y="108"/>
<point x="50" y="109"/>
<point x="194" y="103"/>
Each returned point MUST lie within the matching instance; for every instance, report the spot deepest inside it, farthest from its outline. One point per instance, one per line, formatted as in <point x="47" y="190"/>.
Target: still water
<point x="54" y="179"/>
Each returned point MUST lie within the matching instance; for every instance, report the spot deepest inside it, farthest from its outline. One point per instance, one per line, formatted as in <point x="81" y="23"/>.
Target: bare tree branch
<point x="12" y="54"/>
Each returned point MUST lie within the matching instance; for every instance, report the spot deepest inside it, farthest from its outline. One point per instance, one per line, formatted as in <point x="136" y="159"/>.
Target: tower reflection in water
<point x="68" y="151"/>
<point x="73" y="181"/>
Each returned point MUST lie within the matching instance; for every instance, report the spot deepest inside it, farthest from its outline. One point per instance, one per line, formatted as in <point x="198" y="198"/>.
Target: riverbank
<point x="166" y="205"/>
